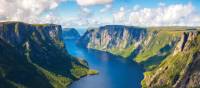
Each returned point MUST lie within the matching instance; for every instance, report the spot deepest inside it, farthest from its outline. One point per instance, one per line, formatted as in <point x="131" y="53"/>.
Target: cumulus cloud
<point x="92" y="2"/>
<point x="25" y="10"/>
<point x="119" y="17"/>
<point x="106" y="8"/>
<point x="136" y="7"/>
<point x="173" y="15"/>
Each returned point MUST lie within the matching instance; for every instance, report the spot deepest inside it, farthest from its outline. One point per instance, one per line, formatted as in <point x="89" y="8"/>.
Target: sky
<point x="94" y="13"/>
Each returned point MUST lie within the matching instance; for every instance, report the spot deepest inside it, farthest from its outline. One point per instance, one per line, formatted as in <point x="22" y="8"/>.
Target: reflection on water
<point x="115" y="72"/>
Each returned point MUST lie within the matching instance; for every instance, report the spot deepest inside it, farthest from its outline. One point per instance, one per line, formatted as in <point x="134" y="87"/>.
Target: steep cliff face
<point x="33" y="55"/>
<point x="114" y="38"/>
<point x="170" y="55"/>
<point x="157" y="46"/>
<point x="179" y="69"/>
<point x="70" y="33"/>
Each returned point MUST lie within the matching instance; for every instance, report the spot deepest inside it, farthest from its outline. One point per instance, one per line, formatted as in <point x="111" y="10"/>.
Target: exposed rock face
<point x="33" y="55"/>
<point x="179" y="70"/>
<point x="113" y="38"/>
<point x="186" y="36"/>
<point x="191" y="78"/>
<point x="70" y="33"/>
<point x="170" y="55"/>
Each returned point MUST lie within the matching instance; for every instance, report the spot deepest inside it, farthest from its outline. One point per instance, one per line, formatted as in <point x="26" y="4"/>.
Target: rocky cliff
<point x="70" y="33"/>
<point x="170" y="55"/>
<point x="116" y="39"/>
<point x="179" y="69"/>
<point x="33" y="56"/>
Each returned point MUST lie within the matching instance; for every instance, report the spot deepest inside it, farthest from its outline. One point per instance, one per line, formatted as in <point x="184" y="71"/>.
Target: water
<point x="115" y="72"/>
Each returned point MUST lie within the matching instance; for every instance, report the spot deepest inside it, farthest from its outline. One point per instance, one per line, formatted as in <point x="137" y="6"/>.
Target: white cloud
<point x="119" y="17"/>
<point x="25" y="10"/>
<point x="136" y="7"/>
<point x="161" y="4"/>
<point x="92" y="2"/>
<point x="85" y="10"/>
<point x="173" y="15"/>
<point x="106" y="8"/>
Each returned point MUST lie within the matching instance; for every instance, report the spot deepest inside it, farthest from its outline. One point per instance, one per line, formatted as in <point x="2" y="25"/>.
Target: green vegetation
<point x="173" y="68"/>
<point x="123" y="52"/>
<point x="92" y="72"/>
<point x="40" y="25"/>
<point x="170" y="55"/>
<point x="78" y="71"/>
<point x="16" y="84"/>
<point x="156" y="47"/>
<point x="158" y="40"/>
<point x="167" y="53"/>
<point x="36" y="60"/>
<point x="57" y="81"/>
<point x="170" y="70"/>
<point x="16" y="29"/>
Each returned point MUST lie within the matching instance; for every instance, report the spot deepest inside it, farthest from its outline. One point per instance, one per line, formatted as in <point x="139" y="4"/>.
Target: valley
<point x="120" y="56"/>
<point x="114" y="71"/>
<point x="99" y="44"/>
<point x="166" y="53"/>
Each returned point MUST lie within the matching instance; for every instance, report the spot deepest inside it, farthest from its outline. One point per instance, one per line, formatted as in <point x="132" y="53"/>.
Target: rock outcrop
<point x="113" y="38"/>
<point x="180" y="69"/>
<point x="70" y="33"/>
<point x="34" y="56"/>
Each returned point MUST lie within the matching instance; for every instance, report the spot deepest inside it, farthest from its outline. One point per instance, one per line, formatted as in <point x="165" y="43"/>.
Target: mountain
<point x="180" y="69"/>
<point x="170" y="55"/>
<point x="70" y="33"/>
<point x="116" y="39"/>
<point x="34" y="56"/>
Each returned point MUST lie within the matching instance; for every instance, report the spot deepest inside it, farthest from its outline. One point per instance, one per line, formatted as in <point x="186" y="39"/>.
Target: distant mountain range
<point x="70" y="33"/>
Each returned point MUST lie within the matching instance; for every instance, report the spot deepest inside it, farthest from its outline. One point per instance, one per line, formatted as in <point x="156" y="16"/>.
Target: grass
<point x="123" y="52"/>
<point x="57" y="81"/>
<point x="172" y="68"/>
<point x="158" y="41"/>
<point x="92" y="72"/>
<point x="160" y="45"/>
<point x="78" y="71"/>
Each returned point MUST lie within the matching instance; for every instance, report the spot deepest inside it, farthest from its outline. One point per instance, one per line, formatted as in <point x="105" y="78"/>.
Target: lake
<point x="114" y="72"/>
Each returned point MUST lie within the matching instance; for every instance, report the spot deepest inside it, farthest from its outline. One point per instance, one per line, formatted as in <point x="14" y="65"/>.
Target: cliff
<point x="158" y="44"/>
<point x="179" y="69"/>
<point x="34" y="56"/>
<point x="70" y="33"/>
<point x="117" y="39"/>
<point x="170" y="55"/>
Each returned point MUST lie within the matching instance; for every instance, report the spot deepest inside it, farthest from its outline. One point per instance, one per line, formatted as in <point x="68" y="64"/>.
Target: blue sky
<point x="92" y="13"/>
<point x="72" y="8"/>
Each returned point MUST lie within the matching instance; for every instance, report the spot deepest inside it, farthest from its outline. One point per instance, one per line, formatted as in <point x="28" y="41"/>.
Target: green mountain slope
<point x="179" y="69"/>
<point x="170" y="55"/>
<point x="34" y="56"/>
<point x="156" y="47"/>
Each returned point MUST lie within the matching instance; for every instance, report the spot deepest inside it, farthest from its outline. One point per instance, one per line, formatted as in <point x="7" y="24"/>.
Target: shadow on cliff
<point x="134" y="54"/>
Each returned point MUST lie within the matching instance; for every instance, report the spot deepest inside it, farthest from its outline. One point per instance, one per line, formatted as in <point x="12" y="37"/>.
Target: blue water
<point x="114" y="72"/>
<point x="81" y="30"/>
